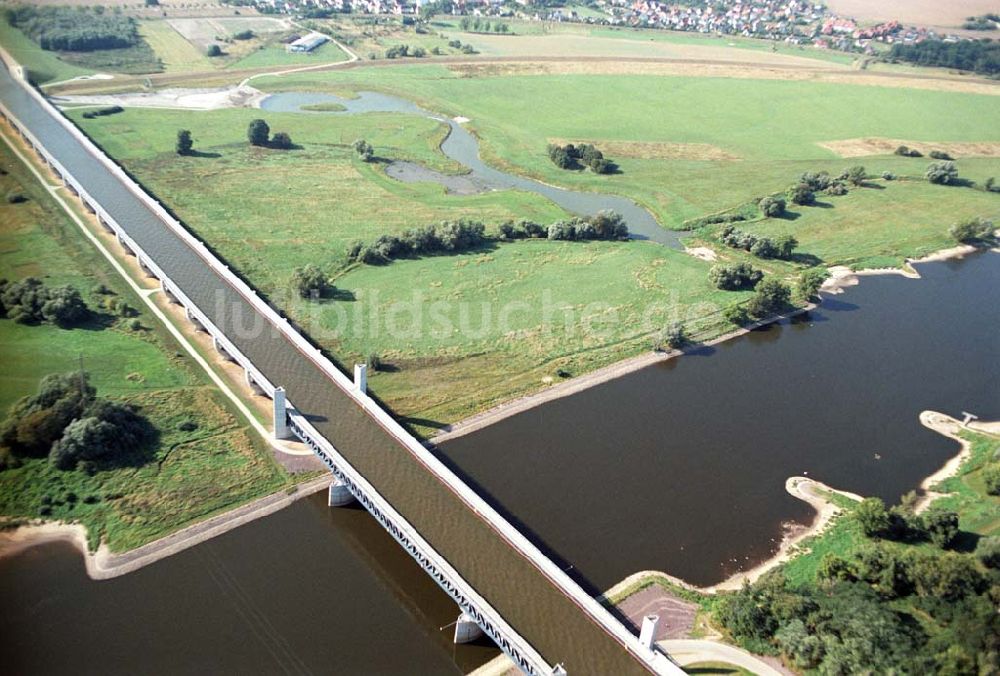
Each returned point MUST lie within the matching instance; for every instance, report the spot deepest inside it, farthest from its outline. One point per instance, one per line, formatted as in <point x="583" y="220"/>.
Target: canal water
<point x="681" y="467"/>
<point x="309" y="590"/>
<point x="463" y="147"/>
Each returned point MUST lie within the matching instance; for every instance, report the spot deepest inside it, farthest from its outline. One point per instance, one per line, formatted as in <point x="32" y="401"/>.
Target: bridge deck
<point x="549" y="619"/>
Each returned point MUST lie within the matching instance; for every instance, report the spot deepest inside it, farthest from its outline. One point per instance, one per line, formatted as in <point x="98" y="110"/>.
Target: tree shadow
<point x="790" y="215"/>
<point x="137" y="456"/>
<point x="202" y="153"/>
<point x="965" y="541"/>
<point x="834" y="305"/>
<point x="807" y="259"/>
<point x="822" y="205"/>
<point x="870" y="184"/>
<point x="698" y="350"/>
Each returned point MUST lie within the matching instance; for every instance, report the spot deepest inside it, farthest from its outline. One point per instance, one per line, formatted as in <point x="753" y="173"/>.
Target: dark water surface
<point x="463" y="147"/>
<point x="681" y="467"/>
<point x="309" y="590"/>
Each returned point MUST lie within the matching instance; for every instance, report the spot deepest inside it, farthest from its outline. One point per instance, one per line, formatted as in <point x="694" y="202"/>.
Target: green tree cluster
<point x="310" y="282"/>
<point x="578" y="156"/>
<point x="942" y="173"/>
<point x="31" y="302"/>
<point x="735" y="277"/>
<point x="762" y="247"/>
<point x="74" y="29"/>
<point x="973" y="231"/>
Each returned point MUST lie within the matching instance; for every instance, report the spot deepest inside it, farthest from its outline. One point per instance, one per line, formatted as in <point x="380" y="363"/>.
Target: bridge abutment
<point x="339" y="495"/>
<point x="361" y="378"/>
<point x="467" y="629"/>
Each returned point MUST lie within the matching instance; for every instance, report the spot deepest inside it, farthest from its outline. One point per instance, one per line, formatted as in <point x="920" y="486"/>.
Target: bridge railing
<point x="655" y="661"/>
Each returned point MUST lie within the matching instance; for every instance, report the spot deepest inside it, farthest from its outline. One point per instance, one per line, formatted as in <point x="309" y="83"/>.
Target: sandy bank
<point x="104" y="564"/>
<point x="949" y="427"/>
<point x="243" y="96"/>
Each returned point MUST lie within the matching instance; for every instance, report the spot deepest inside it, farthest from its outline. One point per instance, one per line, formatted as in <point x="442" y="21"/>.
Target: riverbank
<point x="841" y="277"/>
<point x="104" y="564"/>
<point x="812" y="492"/>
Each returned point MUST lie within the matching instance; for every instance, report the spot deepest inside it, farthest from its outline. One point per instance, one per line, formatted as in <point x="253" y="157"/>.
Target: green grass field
<point x="192" y="472"/>
<point x="43" y="65"/>
<point x="270" y="211"/>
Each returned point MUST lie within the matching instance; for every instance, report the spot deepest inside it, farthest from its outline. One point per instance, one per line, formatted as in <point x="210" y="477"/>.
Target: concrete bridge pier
<point x="339" y="494"/>
<point x="145" y="267"/>
<point x="467" y="629"/>
<point x="197" y="324"/>
<point x="104" y="224"/>
<point x="257" y="389"/>
<point x="221" y="350"/>
<point x="361" y="378"/>
<point x="173" y="299"/>
<point x="280" y="414"/>
<point x="647" y="635"/>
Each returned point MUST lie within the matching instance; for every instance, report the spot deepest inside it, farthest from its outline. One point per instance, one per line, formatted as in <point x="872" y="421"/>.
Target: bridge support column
<point x="647" y="635"/>
<point x="173" y="299"/>
<point x="361" y="378"/>
<point x="339" y="494"/>
<point x="467" y="629"/>
<point x="280" y="414"/>
<point x="966" y="417"/>
<point x="257" y="389"/>
<point x="197" y="324"/>
<point x="221" y="350"/>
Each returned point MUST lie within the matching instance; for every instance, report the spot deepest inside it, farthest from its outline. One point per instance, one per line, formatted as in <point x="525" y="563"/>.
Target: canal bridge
<point x="544" y="621"/>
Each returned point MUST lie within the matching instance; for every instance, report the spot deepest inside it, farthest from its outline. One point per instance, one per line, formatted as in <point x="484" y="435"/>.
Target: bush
<point x="905" y="151"/>
<point x="736" y="314"/>
<point x="815" y="181"/>
<point x="107" y="428"/>
<point x="873" y="517"/>
<point x="856" y="175"/>
<point x="942" y="173"/>
<point x="258" y="133"/>
<point x="30" y="302"/>
<point x="837" y="189"/>
<point x="374" y="362"/>
<point x="888" y="176"/>
<point x="213" y="51"/>
<point x="364" y="150"/>
<point x="939" y="155"/>
<point x="735" y="277"/>
<point x="282" y="141"/>
<point x="991" y="478"/>
<point x="811" y="280"/>
<point x="674" y="336"/>
<point x="244" y="35"/>
<point x="988" y="551"/>
<point x="570" y="156"/>
<point x="771" y="297"/>
<point x="940" y="526"/>
<point x="802" y="195"/>
<point x="36" y="422"/>
<point x="15" y="197"/>
<point x="772" y="207"/>
<point x="310" y="282"/>
<point x="184" y="142"/>
<point x="972" y="231"/>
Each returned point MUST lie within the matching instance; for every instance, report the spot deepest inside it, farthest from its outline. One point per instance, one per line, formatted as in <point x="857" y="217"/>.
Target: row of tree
<point x="980" y="56"/>
<point x="401" y="51"/>
<point x="67" y="422"/>
<point x="74" y="29"/>
<point x="477" y="25"/>
<point x="762" y="247"/>
<point x="29" y="301"/>
<point x="579" y="156"/>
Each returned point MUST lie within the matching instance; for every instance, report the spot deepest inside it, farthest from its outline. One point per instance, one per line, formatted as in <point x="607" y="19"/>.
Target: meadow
<point x="205" y="461"/>
<point x="270" y="211"/>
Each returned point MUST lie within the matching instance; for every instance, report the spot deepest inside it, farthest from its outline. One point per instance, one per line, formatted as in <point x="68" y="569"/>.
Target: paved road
<point x="692" y="651"/>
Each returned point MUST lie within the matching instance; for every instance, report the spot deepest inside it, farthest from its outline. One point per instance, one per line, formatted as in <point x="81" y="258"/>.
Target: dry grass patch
<point x="862" y="147"/>
<point x="653" y="150"/>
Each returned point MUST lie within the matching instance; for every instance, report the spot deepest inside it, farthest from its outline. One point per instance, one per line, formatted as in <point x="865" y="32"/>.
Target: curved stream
<point x="463" y="147"/>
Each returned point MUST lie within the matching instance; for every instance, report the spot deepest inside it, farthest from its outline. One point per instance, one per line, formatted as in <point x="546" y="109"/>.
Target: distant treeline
<point x="74" y="29"/>
<point x="980" y="56"/>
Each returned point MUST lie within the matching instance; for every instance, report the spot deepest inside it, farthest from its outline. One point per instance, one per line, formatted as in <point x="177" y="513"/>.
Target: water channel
<point x="463" y="147"/>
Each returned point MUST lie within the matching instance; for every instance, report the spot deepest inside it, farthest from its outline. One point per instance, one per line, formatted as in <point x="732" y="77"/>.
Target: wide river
<point x="679" y="467"/>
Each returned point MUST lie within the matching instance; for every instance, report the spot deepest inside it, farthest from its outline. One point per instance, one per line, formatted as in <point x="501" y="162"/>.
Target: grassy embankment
<point x="192" y="473"/>
<point x="269" y="211"/>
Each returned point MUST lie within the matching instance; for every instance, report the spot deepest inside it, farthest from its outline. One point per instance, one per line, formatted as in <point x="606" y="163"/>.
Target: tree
<point x="802" y="194"/>
<point x="736" y="314"/>
<point x="282" y="141"/>
<point x="364" y="150"/>
<point x="735" y="277"/>
<point x="258" y="133"/>
<point x="310" y="282"/>
<point x="36" y="422"/>
<point x="64" y="307"/>
<point x="941" y="526"/>
<point x="949" y="576"/>
<point x="972" y="231"/>
<point x="872" y="516"/>
<point x="856" y="175"/>
<point x="184" y="142"/>
<point x="810" y="282"/>
<point x="942" y="173"/>
<point x="988" y="551"/>
<point x="991" y="478"/>
<point x="213" y="50"/>
<point x="674" y="336"/>
<point x="771" y="296"/>
<point x="772" y="207"/>
<point x="784" y="246"/>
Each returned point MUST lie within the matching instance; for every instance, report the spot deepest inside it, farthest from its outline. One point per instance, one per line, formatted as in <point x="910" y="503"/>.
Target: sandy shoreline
<point x="104" y="564"/>
<point x="809" y="490"/>
<point x="840" y="278"/>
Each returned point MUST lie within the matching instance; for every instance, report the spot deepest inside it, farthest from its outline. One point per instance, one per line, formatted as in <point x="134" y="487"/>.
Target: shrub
<point x="310" y="282"/>
<point x="888" y="176"/>
<point x="258" y="133"/>
<point x="939" y="155"/>
<point x="856" y="175"/>
<point x="735" y="277"/>
<point x="872" y="516"/>
<point x="282" y="141"/>
<point x="184" y="142"/>
<point x="15" y="197"/>
<point x="837" y="189"/>
<point x="374" y="362"/>
<point x="816" y="181"/>
<point x="988" y="551"/>
<point x="772" y="207"/>
<point x="736" y="314"/>
<point x="972" y="231"/>
<point x="905" y="151"/>
<point x="940" y="526"/>
<point x="811" y="280"/>
<point x="991" y="478"/>
<point x="942" y="173"/>
<point x="364" y="150"/>
<point x="213" y="51"/>
<point x="30" y="302"/>
<point x="802" y="195"/>
<point x="674" y="336"/>
<point x="244" y="35"/>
